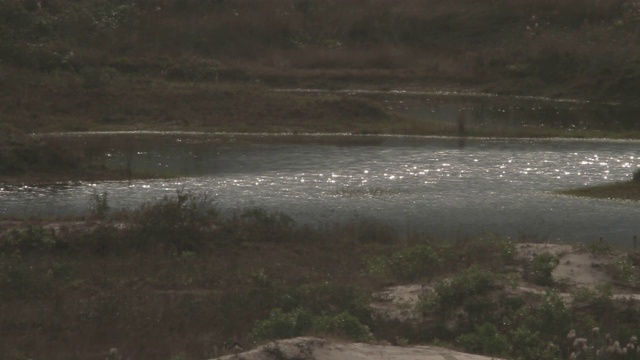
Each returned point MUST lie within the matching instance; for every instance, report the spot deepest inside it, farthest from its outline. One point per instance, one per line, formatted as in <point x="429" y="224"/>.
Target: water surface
<point x="423" y="184"/>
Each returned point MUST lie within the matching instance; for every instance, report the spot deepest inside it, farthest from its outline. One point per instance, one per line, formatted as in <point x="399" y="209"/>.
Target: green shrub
<point x="342" y="325"/>
<point x="597" y="302"/>
<point x="300" y="321"/>
<point x="23" y="241"/>
<point x="485" y="340"/>
<point x="636" y="176"/>
<point x="492" y="252"/>
<point x="530" y="345"/>
<point x="281" y="325"/>
<point x="455" y="305"/>
<point x="261" y="225"/>
<point x="597" y="248"/>
<point x="179" y="223"/>
<point x="624" y="270"/>
<point x="414" y="262"/>
<point x="551" y="317"/>
<point x="540" y="269"/>
<point x="99" y="204"/>
<point x="377" y="267"/>
<point x="470" y="282"/>
<point x="326" y="297"/>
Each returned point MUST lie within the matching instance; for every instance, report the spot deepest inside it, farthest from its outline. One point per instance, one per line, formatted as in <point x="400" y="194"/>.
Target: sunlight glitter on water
<point x="489" y="186"/>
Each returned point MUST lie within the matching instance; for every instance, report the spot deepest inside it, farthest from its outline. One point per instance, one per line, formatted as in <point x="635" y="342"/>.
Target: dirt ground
<point x="324" y="349"/>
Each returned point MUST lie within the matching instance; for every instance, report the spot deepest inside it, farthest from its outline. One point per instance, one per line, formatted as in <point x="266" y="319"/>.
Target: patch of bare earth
<point x="323" y="349"/>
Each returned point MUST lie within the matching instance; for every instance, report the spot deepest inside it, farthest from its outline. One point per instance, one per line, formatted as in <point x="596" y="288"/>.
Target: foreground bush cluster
<point x="178" y="278"/>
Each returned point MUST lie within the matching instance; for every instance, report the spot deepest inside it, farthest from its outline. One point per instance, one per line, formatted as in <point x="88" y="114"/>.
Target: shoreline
<point x="620" y="190"/>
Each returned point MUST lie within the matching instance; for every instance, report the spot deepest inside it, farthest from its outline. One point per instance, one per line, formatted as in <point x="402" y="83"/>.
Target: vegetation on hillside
<point x="86" y="64"/>
<point x="583" y="47"/>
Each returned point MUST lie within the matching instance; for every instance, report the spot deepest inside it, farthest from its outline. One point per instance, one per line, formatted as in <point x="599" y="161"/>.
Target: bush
<point x="281" y="325"/>
<point x="343" y="325"/>
<point x="636" y="176"/>
<point x="598" y="301"/>
<point x="540" y="269"/>
<point x="99" y="204"/>
<point x="529" y="345"/>
<point x="414" y="262"/>
<point x="327" y="296"/>
<point x="492" y="251"/>
<point x="300" y="321"/>
<point x="260" y="225"/>
<point x="485" y="340"/>
<point x="407" y="264"/>
<point x="23" y="241"/>
<point x="624" y="270"/>
<point x="551" y="317"/>
<point x="471" y="282"/>
<point x="598" y="248"/>
<point x="458" y="303"/>
<point x="179" y="223"/>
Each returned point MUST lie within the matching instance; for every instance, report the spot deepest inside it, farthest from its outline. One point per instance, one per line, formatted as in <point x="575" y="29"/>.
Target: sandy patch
<point x="398" y="302"/>
<point x="577" y="266"/>
<point x="309" y="348"/>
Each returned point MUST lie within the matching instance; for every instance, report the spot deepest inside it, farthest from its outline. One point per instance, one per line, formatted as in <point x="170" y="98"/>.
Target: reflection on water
<point x="428" y="184"/>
